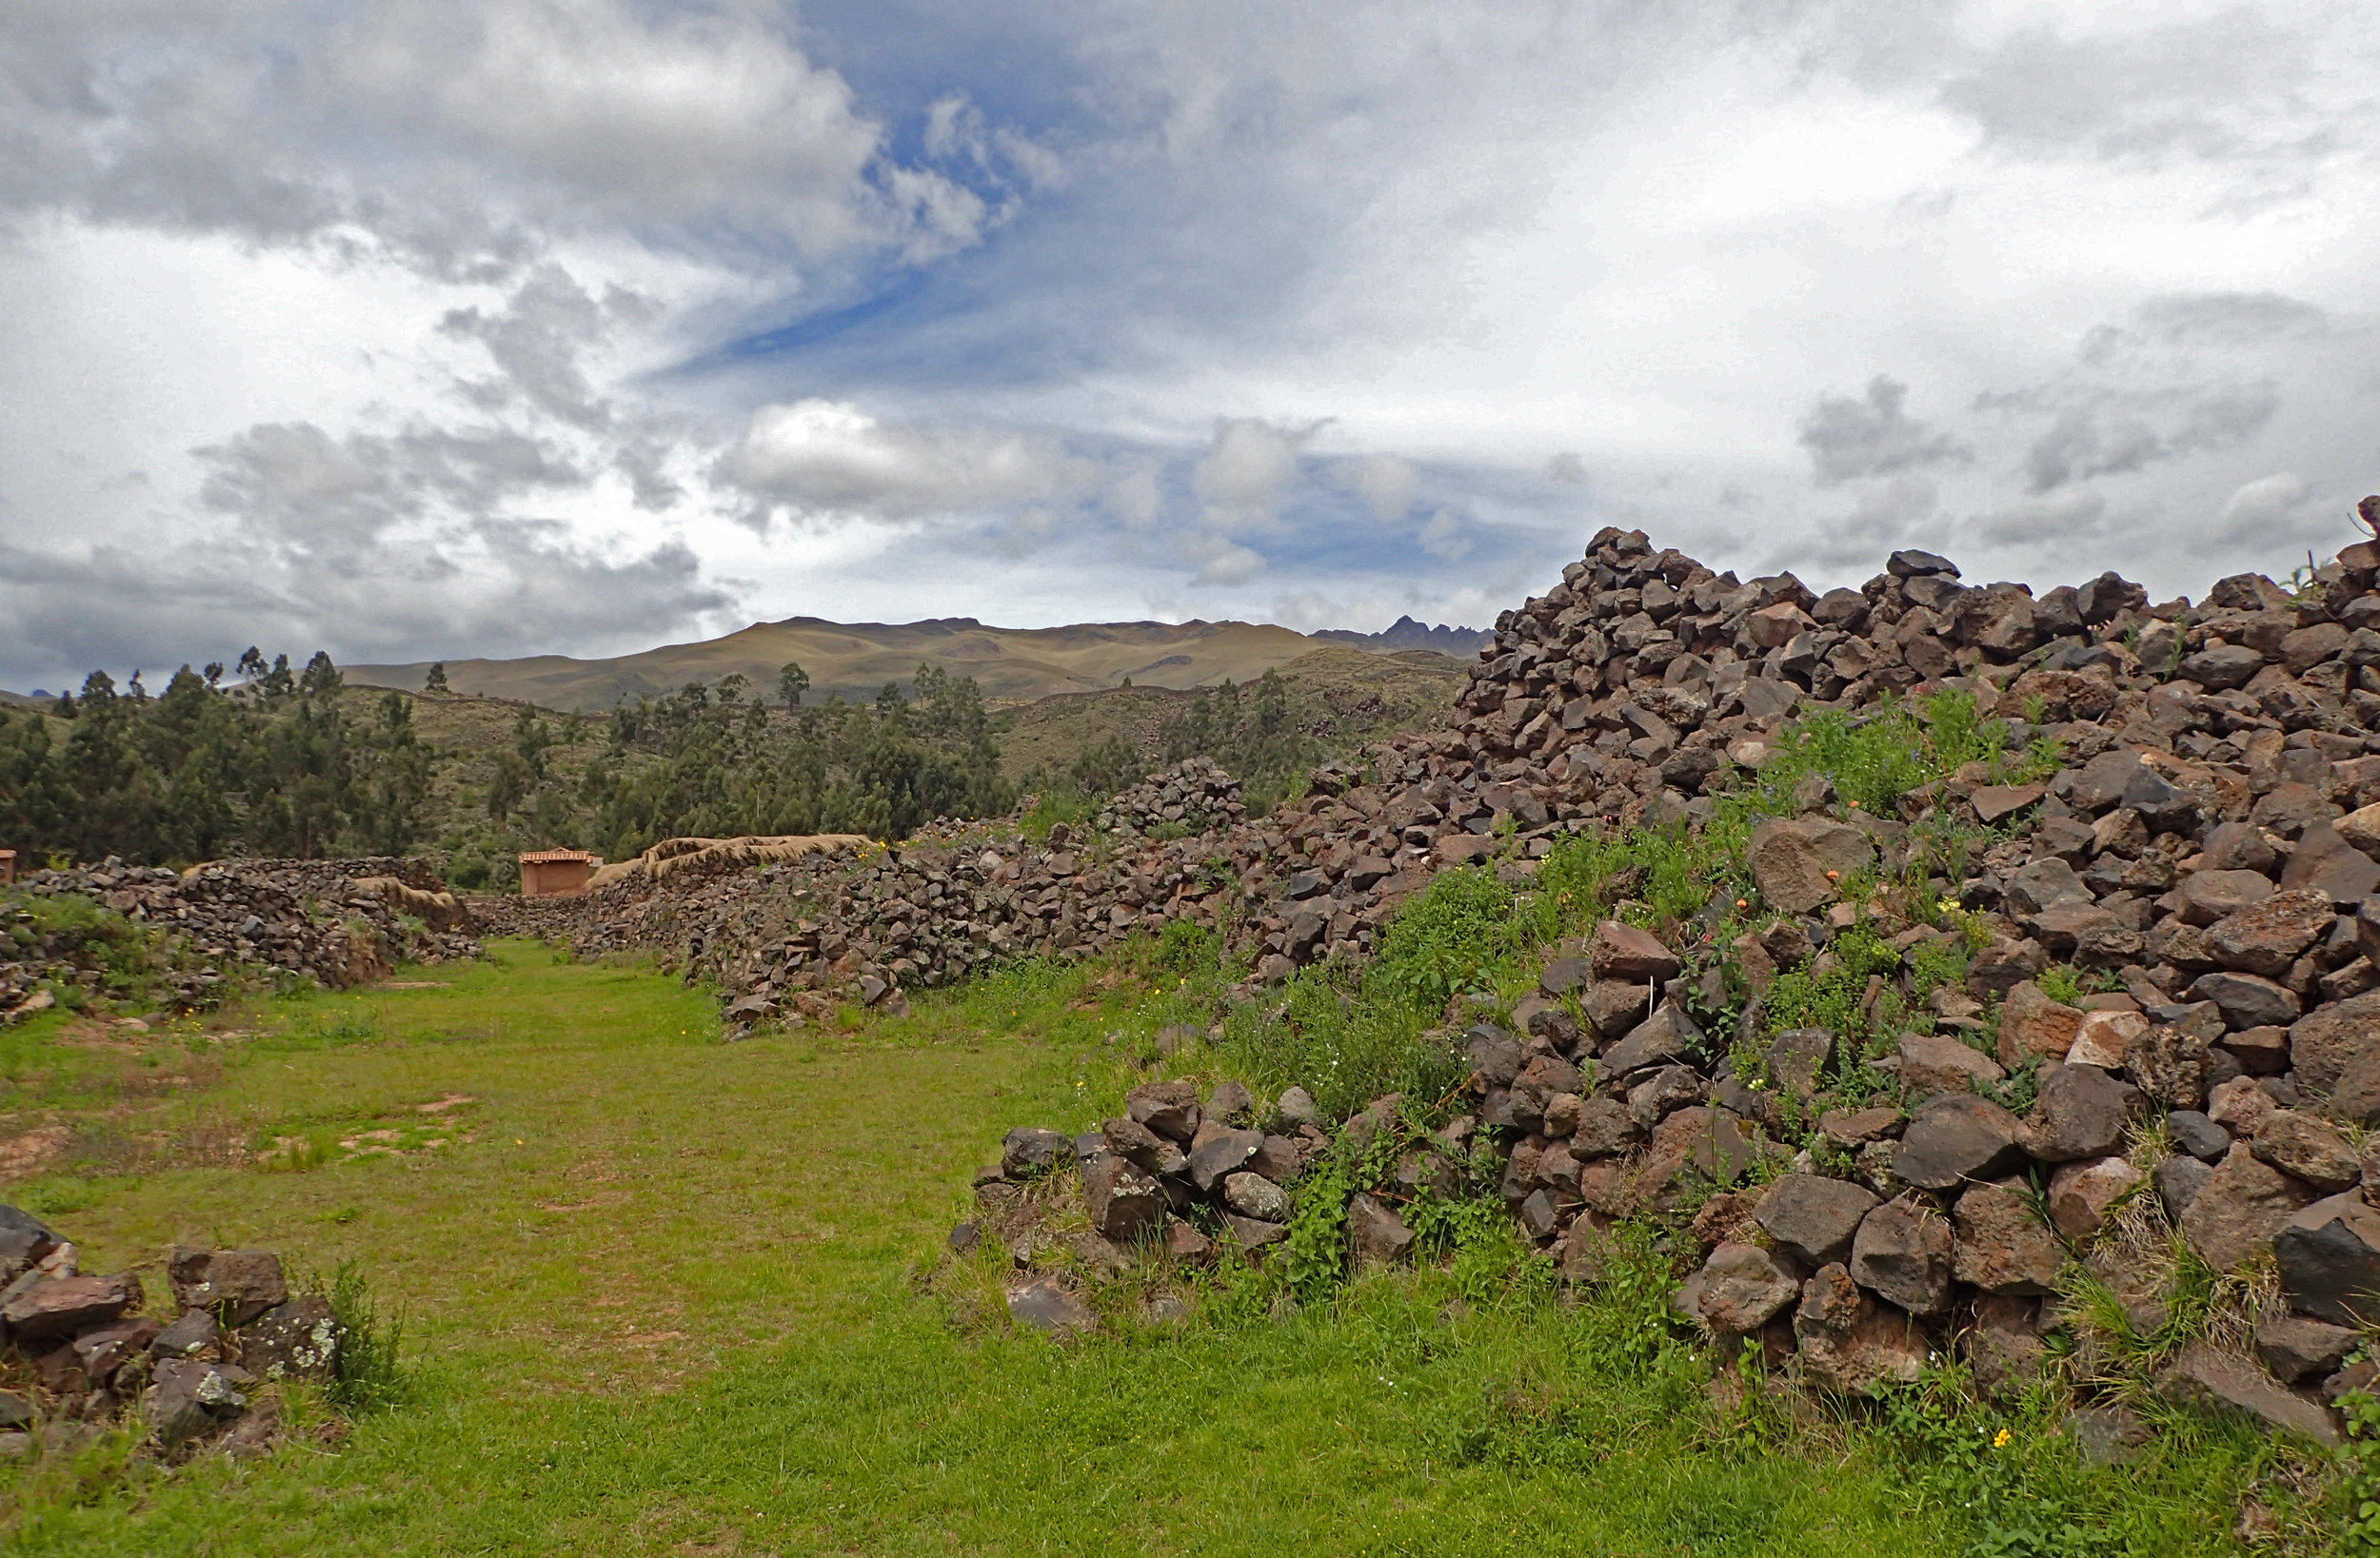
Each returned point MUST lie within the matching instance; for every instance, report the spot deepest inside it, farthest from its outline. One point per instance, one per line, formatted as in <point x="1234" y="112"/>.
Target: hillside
<point x="854" y="660"/>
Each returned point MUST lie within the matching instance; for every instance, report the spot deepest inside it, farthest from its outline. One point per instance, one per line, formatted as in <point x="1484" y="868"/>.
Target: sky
<point x="435" y="329"/>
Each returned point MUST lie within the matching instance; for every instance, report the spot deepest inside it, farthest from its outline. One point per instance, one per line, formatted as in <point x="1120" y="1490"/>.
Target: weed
<point x="369" y="1373"/>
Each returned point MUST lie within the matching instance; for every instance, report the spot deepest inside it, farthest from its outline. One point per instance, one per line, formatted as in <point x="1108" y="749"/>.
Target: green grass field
<point x="666" y="1294"/>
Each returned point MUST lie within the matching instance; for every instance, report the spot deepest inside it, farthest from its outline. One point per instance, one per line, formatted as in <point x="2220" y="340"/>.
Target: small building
<point x="555" y="873"/>
<point x="7" y="866"/>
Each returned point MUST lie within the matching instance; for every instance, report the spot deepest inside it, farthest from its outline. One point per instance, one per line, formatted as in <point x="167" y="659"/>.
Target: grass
<point x="666" y="1299"/>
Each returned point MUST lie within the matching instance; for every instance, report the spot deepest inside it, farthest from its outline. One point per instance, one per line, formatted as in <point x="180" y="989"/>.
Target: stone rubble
<point x="2211" y="846"/>
<point x="339" y="922"/>
<point x="97" y="1353"/>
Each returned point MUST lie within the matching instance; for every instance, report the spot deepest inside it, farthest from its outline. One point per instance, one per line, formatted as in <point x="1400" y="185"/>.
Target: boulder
<point x="2327" y="863"/>
<point x="2217" y="1382"/>
<point x="1742" y="1288"/>
<point x="2005" y="1352"/>
<point x="1623" y="952"/>
<point x="1814" y="1219"/>
<point x="2305" y="1148"/>
<point x="187" y="1399"/>
<point x="1232" y="1103"/>
<point x="1790" y="860"/>
<point x="1605" y="1128"/>
<point x="2208" y="896"/>
<point x="2247" y="1000"/>
<point x="1296" y="1108"/>
<point x="1902" y="1254"/>
<point x="1848" y="1342"/>
<point x="2296" y="1349"/>
<point x="1123" y="1203"/>
<point x="1170" y="1109"/>
<point x="24" y="1240"/>
<point x="1253" y="1195"/>
<point x="1217" y="1150"/>
<point x="60" y="1306"/>
<point x="2079" y="1111"/>
<point x="2033" y="1027"/>
<point x="2198" y="1136"/>
<point x="2244" y="1202"/>
<point x="2328" y="1254"/>
<point x="2083" y="1193"/>
<point x="2170" y="1063"/>
<point x="1689" y="1151"/>
<point x="296" y="1340"/>
<point x="1378" y="1236"/>
<point x="2105" y="1038"/>
<point x="2043" y="885"/>
<point x="2324" y="1041"/>
<point x="2001" y="1245"/>
<point x="1932" y="1063"/>
<point x="1027" y="1153"/>
<point x="1667" y="1035"/>
<point x="1959" y="1137"/>
<point x="1798" y="1059"/>
<point x="2266" y="937"/>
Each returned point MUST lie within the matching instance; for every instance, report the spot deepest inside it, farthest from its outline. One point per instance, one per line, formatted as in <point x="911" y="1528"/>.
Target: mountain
<point x="1405" y="634"/>
<point x="854" y="660"/>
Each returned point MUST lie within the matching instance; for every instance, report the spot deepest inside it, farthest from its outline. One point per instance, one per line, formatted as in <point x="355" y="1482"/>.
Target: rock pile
<point x="340" y="923"/>
<point x="1193" y="796"/>
<point x="88" y="1353"/>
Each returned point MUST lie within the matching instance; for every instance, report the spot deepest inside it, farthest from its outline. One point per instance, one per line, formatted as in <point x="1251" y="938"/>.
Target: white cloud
<point x="829" y="456"/>
<point x="1385" y="482"/>
<point x="1248" y="466"/>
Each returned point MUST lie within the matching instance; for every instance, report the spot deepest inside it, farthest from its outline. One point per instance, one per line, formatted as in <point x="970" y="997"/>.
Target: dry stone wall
<point x="340" y="923"/>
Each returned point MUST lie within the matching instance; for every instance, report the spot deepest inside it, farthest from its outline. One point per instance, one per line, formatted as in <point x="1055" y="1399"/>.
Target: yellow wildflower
<point x="1999" y="1440"/>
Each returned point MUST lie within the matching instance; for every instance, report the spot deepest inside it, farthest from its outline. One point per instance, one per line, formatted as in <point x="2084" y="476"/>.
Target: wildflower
<point x="1743" y="903"/>
<point x="1948" y="905"/>
<point x="1999" y="1440"/>
<point x="1834" y="875"/>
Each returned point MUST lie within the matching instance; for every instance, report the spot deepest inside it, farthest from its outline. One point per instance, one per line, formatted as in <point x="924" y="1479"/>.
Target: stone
<point x="1605" y="1128"/>
<point x="1623" y="952"/>
<point x="1251" y="1233"/>
<point x="1932" y="1063"/>
<point x="2296" y="1349"/>
<point x="1790" y="860"/>
<point x="1185" y="1243"/>
<point x="2243" y="1204"/>
<point x="2046" y="884"/>
<point x="1051" y="1310"/>
<point x="2082" y="1195"/>
<point x="2221" y="667"/>
<point x="194" y="1333"/>
<point x="1958" y="1137"/>
<point x="1994" y="802"/>
<point x="297" y="1340"/>
<point x="2104" y="1038"/>
<point x="2217" y="1382"/>
<point x="1814" y="1219"/>
<point x="2240" y="1105"/>
<point x="1232" y="1103"/>
<point x="2197" y="1136"/>
<point x="1253" y="1195"/>
<point x="2033" y="1027"/>
<point x="2247" y="1000"/>
<point x="2305" y="1148"/>
<point x="1688" y="1152"/>
<point x="1170" y="1109"/>
<point x="60" y="1306"/>
<point x="2266" y="937"/>
<point x="1028" y="1154"/>
<point x="2079" y="1111"/>
<point x="1848" y="1342"/>
<point x="2179" y="1180"/>
<point x="185" y="1400"/>
<point x="24" y="1240"/>
<point x="1123" y="1203"/>
<point x="1279" y="1160"/>
<point x="1217" y="1150"/>
<point x="1742" y="1288"/>
<point x="1611" y="1007"/>
<point x="2325" y="862"/>
<point x="1669" y="1034"/>
<point x="1378" y="1236"/>
<point x="2208" y="896"/>
<point x="1495" y="1055"/>
<point x="103" y="1350"/>
<point x="2356" y="1096"/>
<point x="2001" y="1245"/>
<point x="2329" y="1254"/>
<point x="1798" y="1059"/>
<point x="2170" y="1063"/>
<point x="2361" y="828"/>
<point x="1296" y="1108"/>
<point x="2324" y="1041"/>
<point x="1902" y="1254"/>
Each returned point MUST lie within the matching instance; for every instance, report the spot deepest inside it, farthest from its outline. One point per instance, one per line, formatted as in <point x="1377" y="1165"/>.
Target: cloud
<point x="1443" y="536"/>
<point x="2062" y="517"/>
<point x="830" y="457"/>
<point x="1248" y="466"/>
<point x="1228" y="562"/>
<point x="2266" y="502"/>
<point x="1386" y="483"/>
<point x="1848" y="438"/>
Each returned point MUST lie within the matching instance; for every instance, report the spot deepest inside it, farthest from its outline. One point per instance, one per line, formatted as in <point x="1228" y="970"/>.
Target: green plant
<point x="1448" y="939"/>
<point x="369" y="1370"/>
<point x="2360" y="1474"/>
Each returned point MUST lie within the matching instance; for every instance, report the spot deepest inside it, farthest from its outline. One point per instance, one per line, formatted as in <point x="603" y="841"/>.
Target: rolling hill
<point x="854" y="660"/>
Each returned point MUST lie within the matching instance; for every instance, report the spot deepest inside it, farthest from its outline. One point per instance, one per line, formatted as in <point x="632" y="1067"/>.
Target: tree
<point x="436" y="680"/>
<point x="792" y="682"/>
